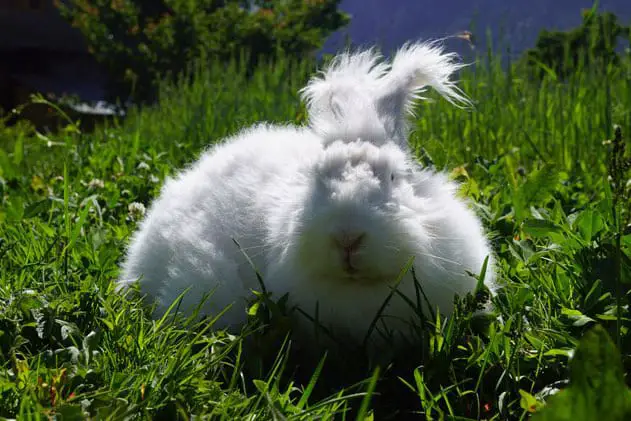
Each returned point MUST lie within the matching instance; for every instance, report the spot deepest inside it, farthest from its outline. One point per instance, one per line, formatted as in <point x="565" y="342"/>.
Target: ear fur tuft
<point x="359" y="93"/>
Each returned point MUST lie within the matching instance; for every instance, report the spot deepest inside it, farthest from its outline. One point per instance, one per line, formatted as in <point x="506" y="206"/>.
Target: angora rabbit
<point x="329" y="213"/>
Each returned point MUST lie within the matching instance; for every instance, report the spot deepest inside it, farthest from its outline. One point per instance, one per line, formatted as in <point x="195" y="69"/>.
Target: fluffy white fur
<point x="291" y="195"/>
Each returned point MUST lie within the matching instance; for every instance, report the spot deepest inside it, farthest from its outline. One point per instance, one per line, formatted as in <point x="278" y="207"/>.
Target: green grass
<point x="530" y="155"/>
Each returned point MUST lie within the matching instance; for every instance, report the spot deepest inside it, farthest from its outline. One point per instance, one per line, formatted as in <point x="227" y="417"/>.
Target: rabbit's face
<point x="350" y="228"/>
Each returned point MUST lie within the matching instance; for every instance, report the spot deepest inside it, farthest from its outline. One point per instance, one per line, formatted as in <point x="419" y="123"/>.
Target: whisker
<point x="392" y="247"/>
<point x="259" y="247"/>
<point x="445" y="285"/>
<point x="444" y="259"/>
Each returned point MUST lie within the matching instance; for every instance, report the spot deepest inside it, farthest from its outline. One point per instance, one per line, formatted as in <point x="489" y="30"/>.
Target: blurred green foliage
<point x="594" y="44"/>
<point x="141" y="41"/>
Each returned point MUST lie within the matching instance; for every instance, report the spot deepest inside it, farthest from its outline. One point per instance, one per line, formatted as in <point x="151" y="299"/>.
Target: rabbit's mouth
<point x="362" y="277"/>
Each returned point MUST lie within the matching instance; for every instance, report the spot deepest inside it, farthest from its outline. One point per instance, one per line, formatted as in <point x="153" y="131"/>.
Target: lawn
<point x="538" y="159"/>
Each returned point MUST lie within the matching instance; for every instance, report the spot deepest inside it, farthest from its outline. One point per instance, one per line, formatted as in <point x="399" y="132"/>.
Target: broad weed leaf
<point x="589" y="223"/>
<point x="597" y="388"/>
<point x="541" y="228"/>
<point x="540" y="184"/>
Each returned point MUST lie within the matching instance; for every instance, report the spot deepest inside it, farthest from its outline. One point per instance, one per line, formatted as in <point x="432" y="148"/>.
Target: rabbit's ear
<point x="414" y="68"/>
<point x="343" y="85"/>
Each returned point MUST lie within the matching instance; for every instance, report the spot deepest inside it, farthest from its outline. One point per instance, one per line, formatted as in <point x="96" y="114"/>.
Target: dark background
<point x="41" y="52"/>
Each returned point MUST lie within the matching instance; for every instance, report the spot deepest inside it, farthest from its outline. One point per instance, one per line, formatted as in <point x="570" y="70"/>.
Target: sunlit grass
<point x="530" y="154"/>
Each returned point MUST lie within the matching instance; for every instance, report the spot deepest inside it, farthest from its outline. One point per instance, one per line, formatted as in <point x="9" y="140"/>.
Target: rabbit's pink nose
<point x="349" y="244"/>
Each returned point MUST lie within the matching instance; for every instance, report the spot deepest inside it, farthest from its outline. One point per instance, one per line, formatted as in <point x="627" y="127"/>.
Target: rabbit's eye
<point x="391" y="176"/>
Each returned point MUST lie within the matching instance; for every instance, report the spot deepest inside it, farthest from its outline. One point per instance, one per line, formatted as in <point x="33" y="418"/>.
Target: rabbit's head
<point x="368" y="201"/>
<point x="352" y="212"/>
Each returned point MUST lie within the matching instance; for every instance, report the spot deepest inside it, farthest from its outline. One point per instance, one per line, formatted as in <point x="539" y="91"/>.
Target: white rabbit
<point x="329" y="213"/>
